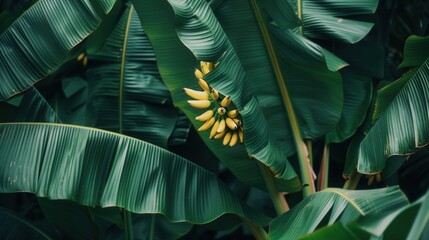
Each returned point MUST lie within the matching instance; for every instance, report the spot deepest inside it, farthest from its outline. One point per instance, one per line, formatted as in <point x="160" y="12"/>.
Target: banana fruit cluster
<point x="222" y="118"/>
<point x="370" y="178"/>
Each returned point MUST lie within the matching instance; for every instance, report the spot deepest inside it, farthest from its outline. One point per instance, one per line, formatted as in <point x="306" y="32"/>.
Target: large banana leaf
<point x="415" y="51"/>
<point x="390" y="224"/>
<point x="34" y="108"/>
<point x="126" y="91"/>
<point x="15" y="227"/>
<point x="402" y="128"/>
<point x="334" y="205"/>
<point x="177" y="66"/>
<point x="96" y="167"/>
<point x="28" y="54"/>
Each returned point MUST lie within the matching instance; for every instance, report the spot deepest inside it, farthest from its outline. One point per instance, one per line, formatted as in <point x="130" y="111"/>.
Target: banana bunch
<point x="222" y="118"/>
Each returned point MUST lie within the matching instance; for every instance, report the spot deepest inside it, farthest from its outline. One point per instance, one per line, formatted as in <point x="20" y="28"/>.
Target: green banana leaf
<point x="357" y="97"/>
<point x="402" y="128"/>
<point x="334" y="205"/>
<point x="99" y="168"/>
<point x="415" y="51"/>
<point x="107" y="5"/>
<point x="28" y="55"/>
<point x="324" y="19"/>
<point x="126" y="92"/>
<point x="390" y="224"/>
<point x="15" y="227"/>
<point x="34" y="108"/>
<point x="177" y="65"/>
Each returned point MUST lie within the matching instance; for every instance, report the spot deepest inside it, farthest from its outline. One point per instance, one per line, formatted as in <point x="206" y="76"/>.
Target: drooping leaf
<point x="389" y="224"/>
<point x="415" y="51"/>
<point x="402" y="128"/>
<point x="126" y="91"/>
<point x="157" y="227"/>
<point x="15" y="227"/>
<point x="357" y="97"/>
<point x="34" y="108"/>
<point x="95" y="167"/>
<point x="332" y="205"/>
<point x="28" y="54"/>
<point x="177" y="68"/>
<point x="107" y="5"/>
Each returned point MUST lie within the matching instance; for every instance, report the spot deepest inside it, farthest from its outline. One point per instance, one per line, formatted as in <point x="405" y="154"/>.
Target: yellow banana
<point x="199" y="103"/>
<point x="240" y="136"/>
<point x="198" y="74"/>
<point x="221" y="111"/>
<point x="214" y="128"/>
<point x="378" y="177"/>
<point x="225" y="101"/>
<point x="198" y="95"/>
<point x="85" y="61"/>
<point x="233" y="113"/>
<point x="210" y="65"/>
<point x="231" y="124"/>
<point x="207" y="124"/>
<point x="371" y="180"/>
<point x="237" y="121"/>
<point x="220" y="135"/>
<point x="202" y="64"/>
<point x="227" y="138"/>
<point x="215" y="94"/>
<point x="234" y="139"/>
<point x="222" y="126"/>
<point x="80" y="57"/>
<point x="204" y="85"/>
<point x="205" y="69"/>
<point x="205" y="116"/>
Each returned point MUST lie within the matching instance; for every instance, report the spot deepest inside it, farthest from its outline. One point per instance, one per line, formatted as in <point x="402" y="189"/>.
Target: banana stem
<point x="306" y="175"/>
<point x="309" y="145"/>
<point x="351" y="183"/>
<point x="278" y="198"/>
<point x="322" y="180"/>
<point x="128" y="221"/>
<point x="257" y="231"/>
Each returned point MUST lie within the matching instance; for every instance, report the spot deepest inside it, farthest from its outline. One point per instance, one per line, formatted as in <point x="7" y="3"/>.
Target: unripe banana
<point x="233" y="113"/>
<point x="220" y="135"/>
<point x="215" y="94"/>
<point x="222" y="126"/>
<point x="207" y="124"/>
<point x="231" y="124"/>
<point x="225" y="101"/>
<point x="80" y="57"/>
<point x="227" y="138"/>
<point x="198" y="95"/>
<point x="237" y="121"/>
<point x="221" y="111"/>
<point x="198" y="74"/>
<point x="199" y="103"/>
<point x="240" y="136"/>
<point x="205" y="116"/>
<point x="214" y="128"/>
<point x="234" y="139"/>
<point x="204" y="85"/>
<point x="378" y="177"/>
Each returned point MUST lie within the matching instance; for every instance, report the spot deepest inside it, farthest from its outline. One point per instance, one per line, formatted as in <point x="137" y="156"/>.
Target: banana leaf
<point x="126" y="92"/>
<point x="415" y="51"/>
<point x="402" y="128"/>
<point x="99" y="168"/>
<point x="27" y="54"/>
<point x="15" y="227"/>
<point x="177" y="65"/>
<point x="334" y="205"/>
<point x="34" y="108"/>
<point x="107" y="5"/>
<point x="390" y="224"/>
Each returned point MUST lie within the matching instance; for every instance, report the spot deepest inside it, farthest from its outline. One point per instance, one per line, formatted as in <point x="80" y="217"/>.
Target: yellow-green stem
<point x="306" y="174"/>
<point x="277" y="197"/>
<point x="257" y="231"/>
<point x="322" y="179"/>
<point x="300" y="14"/>
<point x="353" y="181"/>
<point x="309" y="145"/>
